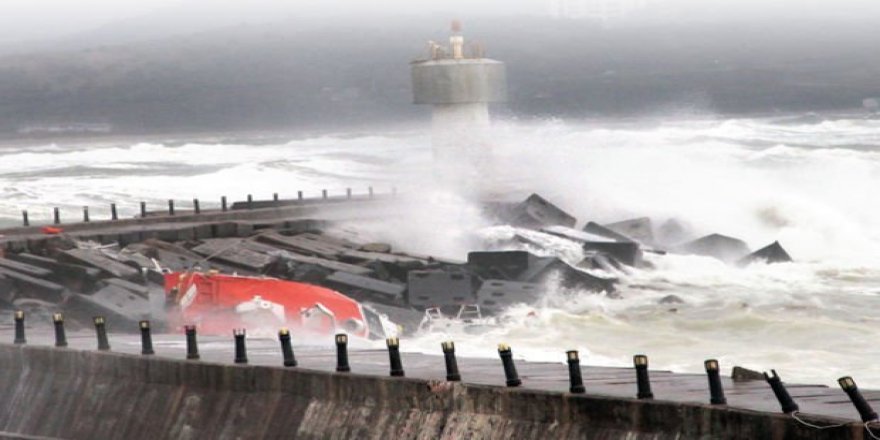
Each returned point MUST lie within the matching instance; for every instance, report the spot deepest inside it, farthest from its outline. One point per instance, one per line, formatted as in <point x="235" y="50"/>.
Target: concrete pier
<point x="208" y="223"/>
<point x="80" y="393"/>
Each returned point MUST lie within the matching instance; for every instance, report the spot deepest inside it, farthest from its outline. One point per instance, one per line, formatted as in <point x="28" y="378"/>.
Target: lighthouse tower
<point x="460" y="84"/>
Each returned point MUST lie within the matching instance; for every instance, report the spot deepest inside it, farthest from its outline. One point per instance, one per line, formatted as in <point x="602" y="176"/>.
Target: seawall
<point x="65" y="393"/>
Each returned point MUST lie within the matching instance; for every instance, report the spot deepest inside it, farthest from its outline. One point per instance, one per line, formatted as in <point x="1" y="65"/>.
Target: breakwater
<point x="79" y="393"/>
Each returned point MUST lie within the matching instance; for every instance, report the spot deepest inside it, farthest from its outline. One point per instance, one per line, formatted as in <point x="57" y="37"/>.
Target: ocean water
<point x="810" y="182"/>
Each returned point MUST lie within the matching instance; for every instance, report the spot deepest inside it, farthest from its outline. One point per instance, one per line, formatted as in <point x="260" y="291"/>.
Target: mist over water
<point x="806" y="181"/>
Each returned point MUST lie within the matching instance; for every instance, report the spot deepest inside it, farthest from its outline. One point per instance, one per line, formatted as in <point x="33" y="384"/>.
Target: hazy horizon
<point x="41" y="20"/>
<point x="201" y="66"/>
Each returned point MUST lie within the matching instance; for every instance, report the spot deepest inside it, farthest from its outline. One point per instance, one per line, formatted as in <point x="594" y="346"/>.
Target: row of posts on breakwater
<point x="512" y="379"/>
<point x="225" y="206"/>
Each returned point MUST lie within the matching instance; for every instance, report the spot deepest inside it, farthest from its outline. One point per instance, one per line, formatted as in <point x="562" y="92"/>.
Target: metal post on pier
<point x="716" y="389"/>
<point x="24" y="218"/>
<point x="858" y="400"/>
<point x="240" y="347"/>
<point x="60" y="336"/>
<point x="452" y="374"/>
<point x="643" y="381"/>
<point x="19" y="328"/>
<point x="192" y="344"/>
<point x="57" y="216"/>
<point x="394" y="357"/>
<point x="85" y="214"/>
<point x="785" y="401"/>
<point x="342" y="353"/>
<point x="146" y="338"/>
<point x="510" y="373"/>
<point x="113" y="214"/>
<point x="101" y="332"/>
<point x="286" y="348"/>
<point x="574" y="372"/>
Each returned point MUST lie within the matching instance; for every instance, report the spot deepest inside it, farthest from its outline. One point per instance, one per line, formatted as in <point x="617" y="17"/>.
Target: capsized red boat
<point x="218" y="303"/>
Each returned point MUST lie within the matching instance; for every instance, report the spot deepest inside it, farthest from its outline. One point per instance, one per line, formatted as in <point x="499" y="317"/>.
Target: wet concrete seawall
<point x="64" y="393"/>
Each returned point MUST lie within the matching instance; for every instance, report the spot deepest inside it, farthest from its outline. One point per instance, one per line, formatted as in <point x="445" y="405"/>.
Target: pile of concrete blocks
<point x="609" y="242"/>
<point x="510" y="277"/>
<point x="613" y="247"/>
<point x="86" y="279"/>
<point x="119" y="271"/>
<point x="82" y="282"/>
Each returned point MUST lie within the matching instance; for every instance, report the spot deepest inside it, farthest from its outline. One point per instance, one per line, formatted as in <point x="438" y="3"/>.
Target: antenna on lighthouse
<point x="455" y="26"/>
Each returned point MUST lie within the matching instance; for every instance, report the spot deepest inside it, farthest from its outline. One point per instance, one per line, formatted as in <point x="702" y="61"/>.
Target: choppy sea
<point x="810" y="182"/>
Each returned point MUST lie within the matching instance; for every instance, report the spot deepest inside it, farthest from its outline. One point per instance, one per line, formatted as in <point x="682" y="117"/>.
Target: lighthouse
<point x="459" y="83"/>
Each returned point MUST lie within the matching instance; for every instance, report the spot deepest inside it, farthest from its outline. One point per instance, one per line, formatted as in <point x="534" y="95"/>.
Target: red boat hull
<point x="218" y="303"/>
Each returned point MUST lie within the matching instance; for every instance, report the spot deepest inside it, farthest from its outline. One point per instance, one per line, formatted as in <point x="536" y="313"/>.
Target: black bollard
<point x="240" y="347"/>
<point x="146" y="338"/>
<point x="852" y="390"/>
<point x="299" y="195"/>
<point x="250" y="201"/>
<point x="192" y="344"/>
<point x="197" y="208"/>
<point x="101" y="332"/>
<point x="19" y="328"/>
<point x="640" y="362"/>
<point x="574" y="372"/>
<point x="452" y="374"/>
<point x="60" y="337"/>
<point x="342" y="353"/>
<point x="324" y="194"/>
<point x="348" y="193"/>
<point x="57" y="216"/>
<point x="86" y="214"/>
<point x="785" y="401"/>
<point x="509" y="368"/>
<point x="170" y="207"/>
<point x="394" y="356"/>
<point x="716" y="389"/>
<point x="143" y="209"/>
<point x="370" y="189"/>
<point x="24" y="218"/>
<point x="223" y="204"/>
<point x="275" y="198"/>
<point x="113" y="214"/>
<point x="286" y="348"/>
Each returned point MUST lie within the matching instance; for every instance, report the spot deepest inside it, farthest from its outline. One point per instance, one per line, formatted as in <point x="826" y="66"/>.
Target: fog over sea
<point x="808" y="181"/>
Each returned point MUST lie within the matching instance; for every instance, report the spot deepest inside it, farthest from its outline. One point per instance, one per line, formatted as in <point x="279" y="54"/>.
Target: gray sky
<point x="31" y="19"/>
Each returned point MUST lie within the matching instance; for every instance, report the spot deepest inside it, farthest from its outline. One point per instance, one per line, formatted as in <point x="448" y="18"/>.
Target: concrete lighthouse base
<point x="461" y="144"/>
